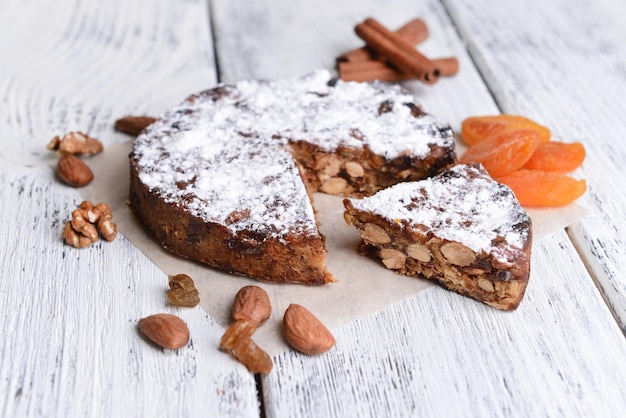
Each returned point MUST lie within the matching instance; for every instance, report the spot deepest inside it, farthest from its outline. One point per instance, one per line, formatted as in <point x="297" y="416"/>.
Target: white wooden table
<point x="68" y="342"/>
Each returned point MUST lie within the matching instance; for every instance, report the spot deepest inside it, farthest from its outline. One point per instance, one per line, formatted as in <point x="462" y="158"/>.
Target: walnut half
<point x="75" y="143"/>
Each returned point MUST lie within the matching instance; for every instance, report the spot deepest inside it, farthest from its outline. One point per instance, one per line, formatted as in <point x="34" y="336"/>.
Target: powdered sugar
<point x="215" y="181"/>
<point x="226" y="150"/>
<point x="309" y="109"/>
<point x="463" y="205"/>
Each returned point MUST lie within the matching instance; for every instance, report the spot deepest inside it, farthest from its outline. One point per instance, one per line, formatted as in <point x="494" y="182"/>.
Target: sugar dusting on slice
<point x="463" y="205"/>
<point x="224" y="151"/>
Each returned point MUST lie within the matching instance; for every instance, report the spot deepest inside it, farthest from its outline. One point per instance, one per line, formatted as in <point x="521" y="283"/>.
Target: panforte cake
<point x="459" y="228"/>
<point x="226" y="177"/>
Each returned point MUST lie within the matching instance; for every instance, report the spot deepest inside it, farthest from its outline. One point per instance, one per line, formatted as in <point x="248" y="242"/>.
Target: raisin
<point x="183" y="291"/>
<point x="238" y="342"/>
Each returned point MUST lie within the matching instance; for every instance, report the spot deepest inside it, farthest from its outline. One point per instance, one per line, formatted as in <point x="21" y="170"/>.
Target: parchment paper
<point x="364" y="286"/>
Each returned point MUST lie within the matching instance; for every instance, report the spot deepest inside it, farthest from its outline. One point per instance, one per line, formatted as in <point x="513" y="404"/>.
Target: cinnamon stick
<point x="369" y="70"/>
<point x="446" y="66"/>
<point x="412" y="32"/>
<point x="401" y="54"/>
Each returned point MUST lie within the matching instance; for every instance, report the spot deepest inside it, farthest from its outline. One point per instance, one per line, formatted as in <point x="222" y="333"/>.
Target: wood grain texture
<point x="439" y="353"/>
<point x="527" y="70"/>
<point x="86" y="64"/>
<point x="71" y="347"/>
<point x="70" y="343"/>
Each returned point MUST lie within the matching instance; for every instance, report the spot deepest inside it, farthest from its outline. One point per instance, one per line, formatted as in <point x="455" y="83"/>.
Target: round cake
<point x="226" y="177"/>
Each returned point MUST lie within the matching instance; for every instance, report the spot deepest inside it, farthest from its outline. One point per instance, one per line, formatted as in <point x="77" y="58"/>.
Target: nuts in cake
<point x="459" y="228"/>
<point x="225" y="177"/>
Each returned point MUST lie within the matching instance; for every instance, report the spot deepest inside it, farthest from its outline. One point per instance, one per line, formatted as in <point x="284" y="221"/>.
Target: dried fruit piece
<point x="304" y="332"/>
<point x="238" y="342"/>
<point x="504" y="153"/>
<point x="183" y="291"/>
<point x="252" y="303"/>
<point x="133" y="125"/>
<point x="73" y="171"/>
<point x="478" y="128"/>
<point x="245" y="351"/>
<point x="544" y="188"/>
<point x="165" y="330"/>
<point x="557" y="156"/>
<point x="242" y="328"/>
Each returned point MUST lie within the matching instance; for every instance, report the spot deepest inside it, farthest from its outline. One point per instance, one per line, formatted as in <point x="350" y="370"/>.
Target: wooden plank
<point x="87" y="64"/>
<point x="437" y="353"/>
<point x="70" y="345"/>
<point x="568" y="75"/>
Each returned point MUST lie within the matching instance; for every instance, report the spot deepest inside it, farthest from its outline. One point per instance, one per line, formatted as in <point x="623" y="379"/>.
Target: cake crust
<point x="296" y="258"/>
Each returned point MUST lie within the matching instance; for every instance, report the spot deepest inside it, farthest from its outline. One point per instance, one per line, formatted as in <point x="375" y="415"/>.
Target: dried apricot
<point x="543" y="188"/>
<point x="502" y="154"/>
<point x="478" y="128"/>
<point x="557" y="156"/>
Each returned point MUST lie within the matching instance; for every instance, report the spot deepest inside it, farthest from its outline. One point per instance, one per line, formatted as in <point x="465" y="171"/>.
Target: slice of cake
<point x="226" y="176"/>
<point x="460" y="228"/>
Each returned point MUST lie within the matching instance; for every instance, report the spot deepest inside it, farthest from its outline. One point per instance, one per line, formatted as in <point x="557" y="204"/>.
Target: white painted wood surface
<point x="70" y="346"/>
<point x="527" y="70"/>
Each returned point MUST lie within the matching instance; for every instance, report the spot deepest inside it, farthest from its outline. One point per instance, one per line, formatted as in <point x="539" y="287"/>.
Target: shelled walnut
<point x="88" y="221"/>
<point x="75" y="143"/>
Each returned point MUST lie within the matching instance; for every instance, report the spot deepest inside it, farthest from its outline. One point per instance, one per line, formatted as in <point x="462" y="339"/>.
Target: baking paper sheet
<point x="364" y="286"/>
